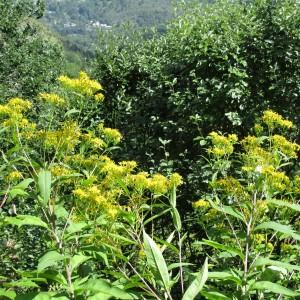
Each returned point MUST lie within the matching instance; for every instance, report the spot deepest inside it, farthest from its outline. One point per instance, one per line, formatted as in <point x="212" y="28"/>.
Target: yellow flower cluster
<point x="201" y="204"/>
<point x="176" y="180"/>
<point x="261" y="206"/>
<point x="83" y="85"/>
<point x="159" y="184"/>
<point x="14" y="176"/>
<point x="93" y="141"/>
<point x="17" y="105"/>
<point x="58" y="170"/>
<point x="222" y="145"/>
<point x="112" y="135"/>
<point x="296" y="184"/>
<point x="95" y="199"/>
<point x="250" y="142"/>
<point x="288" y="248"/>
<point x="281" y="144"/>
<point x="52" y="99"/>
<point x="139" y="181"/>
<point x="231" y="187"/>
<point x="66" y="138"/>
<point x="259" y="238"/>
<point x="275" y="180"/>
<point x="257" y="157"/>
<point x="113" y="170"/>
<point x="13" y="112"/>
<point x="274" y="120"/>
<point x="258" y="129"/>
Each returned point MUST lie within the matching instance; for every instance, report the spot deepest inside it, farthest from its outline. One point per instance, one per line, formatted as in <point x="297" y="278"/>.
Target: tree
<point x="27" y="49"/>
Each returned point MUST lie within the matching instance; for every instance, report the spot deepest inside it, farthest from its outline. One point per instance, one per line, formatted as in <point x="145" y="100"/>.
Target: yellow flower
<point x="222" y="145"/>
<point x="175" y="180"/>
<point x="19" y="105"/>
<point x="230" y="186"/>
<point x="261" y="206"/>
<point x="14" y="176"/>
<point x="99" y="97"/>
<point x="83" y="85"/>
<point x="276" y="180"/>
<point x="273" y="120"/>
<point x="65" y="138"/>
<point x="201" y="204"/>
<point x="53" y="99"/>
<point x="283" y="145"/>
<point x="159" y="184"/>
<point x="259" y="238"/>
<point x="251" y="142"/>
<point x="139" y="181"/>
<point x="258" y="129"/>
<point x="94" y="141"/>
<point x="60" y="171"/>
<point x="113" y="135"/>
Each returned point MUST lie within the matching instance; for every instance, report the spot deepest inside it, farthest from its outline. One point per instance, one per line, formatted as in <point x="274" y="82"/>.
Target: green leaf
<point x="224" y="276"/>
<point x="44" y="183"/>
<point x="17" y="192"/>
<point x="282" y="203"/>
<point x="273" y="288"/>
<point x="49" y="259"/>
<point x="76" y="227"/>
<point x="71" y="112"/>
<point x="23" y="283"/>
<point x="176" y="218"/>
<point x="7" y="294"/>
<point x="214" y="295"/>
<point x="285" y="229"/>
<point x="24" y="184"/>
<point x="156" y="261"/>
<point x="227" y="210"/>
<point x="173" y="197"/>
<point x="105" y="289"/>
<point x="22" y="220"/>
<point x="229" y="249"/>
<point x="196" y="286"/>
<point x="263" y="261"/>
<point x="77" y="260"/>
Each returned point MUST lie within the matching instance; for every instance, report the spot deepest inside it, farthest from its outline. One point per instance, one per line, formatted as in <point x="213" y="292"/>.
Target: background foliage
<point x="31" y="58"/>
<point x="217" y="66"/>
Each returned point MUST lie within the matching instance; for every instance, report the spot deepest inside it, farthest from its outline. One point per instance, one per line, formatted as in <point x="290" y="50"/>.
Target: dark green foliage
<point x="31" y="58"/>
<point x="216" y="67"/>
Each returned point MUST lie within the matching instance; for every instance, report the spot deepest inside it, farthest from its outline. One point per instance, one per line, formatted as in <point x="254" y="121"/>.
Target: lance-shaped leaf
<point x="282" y="203"/>
<point x="263" y="261"/>
<point x="285" y="229"/>
<point x="196" y="286"/>
<point x="156" y="261"/>
<point x="44" y="183"/>
<point x="229" y="249"/>
<point x="22" y="220"/>
<point x="275" y="288"/>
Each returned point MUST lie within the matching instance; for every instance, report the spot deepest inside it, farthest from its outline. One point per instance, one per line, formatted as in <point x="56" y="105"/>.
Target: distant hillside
<point x="82" y="16"/>
<point x="78" y="21"/>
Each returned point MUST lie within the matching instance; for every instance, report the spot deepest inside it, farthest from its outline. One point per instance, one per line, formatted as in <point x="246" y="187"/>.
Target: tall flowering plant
<point x="251" y="214"/>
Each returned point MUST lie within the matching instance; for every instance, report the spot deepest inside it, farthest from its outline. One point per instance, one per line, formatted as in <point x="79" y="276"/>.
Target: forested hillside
<point x="78" y="22"/>
<point x="69" y="16"/>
